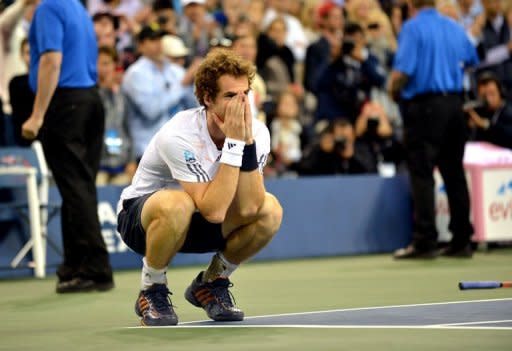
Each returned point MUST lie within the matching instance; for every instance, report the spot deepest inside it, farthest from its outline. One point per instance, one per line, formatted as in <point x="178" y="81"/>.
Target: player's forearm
<point x="219" y="195"/>
<point x="47" y="80"/>
<point x="250" y="193"/>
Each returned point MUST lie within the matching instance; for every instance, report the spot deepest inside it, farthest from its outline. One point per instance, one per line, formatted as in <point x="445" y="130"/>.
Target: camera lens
<point x="347" y="46"/>
<point x="340" y="143"/>
<point x="162" y="20"/>
<point x="372" y="125"/>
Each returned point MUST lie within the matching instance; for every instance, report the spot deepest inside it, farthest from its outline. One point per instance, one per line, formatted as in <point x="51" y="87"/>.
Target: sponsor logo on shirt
<point x="190" y="158"/>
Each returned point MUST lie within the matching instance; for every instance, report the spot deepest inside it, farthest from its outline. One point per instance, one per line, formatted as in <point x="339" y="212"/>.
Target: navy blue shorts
<point x="202" y="235"/>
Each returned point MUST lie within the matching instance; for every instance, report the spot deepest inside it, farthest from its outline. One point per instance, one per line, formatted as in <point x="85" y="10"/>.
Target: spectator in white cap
<point x="175" y="49"/>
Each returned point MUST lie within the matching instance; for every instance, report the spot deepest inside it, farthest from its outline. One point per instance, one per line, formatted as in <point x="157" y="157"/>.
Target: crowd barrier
<point x="323" y="216"/>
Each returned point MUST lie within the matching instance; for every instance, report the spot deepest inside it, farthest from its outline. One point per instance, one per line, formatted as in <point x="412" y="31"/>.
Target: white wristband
<point x="232" y="152"/>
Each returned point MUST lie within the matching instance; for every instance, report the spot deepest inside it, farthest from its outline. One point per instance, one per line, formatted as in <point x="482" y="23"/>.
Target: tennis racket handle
<point x="479" y="285"/>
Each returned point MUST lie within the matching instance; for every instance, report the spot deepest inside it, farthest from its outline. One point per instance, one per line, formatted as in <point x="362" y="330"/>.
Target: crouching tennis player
<point x="216" y="153"/>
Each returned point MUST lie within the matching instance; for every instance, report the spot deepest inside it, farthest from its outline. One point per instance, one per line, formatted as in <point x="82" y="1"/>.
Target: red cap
<point x="325" y="8"/>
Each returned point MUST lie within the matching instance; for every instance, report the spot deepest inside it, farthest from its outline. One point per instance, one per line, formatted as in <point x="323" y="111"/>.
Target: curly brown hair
<point x="220" y="62"/>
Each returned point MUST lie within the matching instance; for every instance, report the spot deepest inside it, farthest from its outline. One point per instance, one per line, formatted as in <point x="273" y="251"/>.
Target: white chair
<point x="32" y="157"/>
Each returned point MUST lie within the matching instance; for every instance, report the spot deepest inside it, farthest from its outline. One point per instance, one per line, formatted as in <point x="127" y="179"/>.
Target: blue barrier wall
<point x="323" y="216"/>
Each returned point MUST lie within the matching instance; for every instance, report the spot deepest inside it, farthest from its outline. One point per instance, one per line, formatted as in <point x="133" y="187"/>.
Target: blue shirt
<point x="154" y="95"/>
<point x="433" y="51"/>
<point x="64" y="26"/>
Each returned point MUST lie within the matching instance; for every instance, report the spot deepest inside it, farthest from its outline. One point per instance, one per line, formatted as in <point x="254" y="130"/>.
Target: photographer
<point x="356" y="155"/>
<point x="373" y="122"/>
<point x="320" y="158"/>
<point x="374" y="129"/>
<point x="345" y="84"/>
<point x="163" y="13"/>
<point x="491" y="122"/>
<point x="337" y="152"/>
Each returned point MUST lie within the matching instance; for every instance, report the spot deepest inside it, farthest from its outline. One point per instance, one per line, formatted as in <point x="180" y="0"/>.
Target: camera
<point x="372" y="125"/>
<point x="347" y="46"/>
<point x="162" y="20"/>
<point x="339" y="144"/>
<point x="474" y="104"/>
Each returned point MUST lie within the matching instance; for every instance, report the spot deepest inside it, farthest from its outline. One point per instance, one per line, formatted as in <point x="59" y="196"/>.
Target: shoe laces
<point x="220" y="289"/>
<point x="159" y="295"/>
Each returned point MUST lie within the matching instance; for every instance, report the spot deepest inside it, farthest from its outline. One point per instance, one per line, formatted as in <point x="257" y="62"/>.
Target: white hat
<point x="173" y="46"/>
<point x="185" y="3"/>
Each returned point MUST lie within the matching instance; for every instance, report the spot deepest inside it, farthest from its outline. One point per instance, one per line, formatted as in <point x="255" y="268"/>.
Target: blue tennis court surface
<point x="480" y="314"/>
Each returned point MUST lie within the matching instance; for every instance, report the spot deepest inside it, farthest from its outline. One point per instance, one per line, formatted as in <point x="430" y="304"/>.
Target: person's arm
<point x="397" y="81"/>
<point x="373" y="110"/>
<point x="47" y="80"/>
<point x="362" y="121"/>
<point x="371" y="68"/>
<point x="48" y="28"/>
<point x="405" y="61"/>
<point x="12" y="14"/>
<point x="474" y="33"/>
<point x="470" y="55"/>
<point x="213" y="198"/>
<point x="499" y="131"/>
<point x="190" y="73"/>
<point x="251" y="189"/>
<point x="384" y="130"/>
<point x="131" y="164"/>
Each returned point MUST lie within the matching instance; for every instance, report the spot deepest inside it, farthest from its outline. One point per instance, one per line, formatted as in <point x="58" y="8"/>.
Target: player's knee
<point x="272" y="216"/>
<point x="175" y="210"/>
<point x="249" y="212"/>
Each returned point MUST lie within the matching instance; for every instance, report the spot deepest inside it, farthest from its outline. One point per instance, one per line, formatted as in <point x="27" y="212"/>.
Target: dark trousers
<point x="72" y="138"/>
<point x="435" y="135"/>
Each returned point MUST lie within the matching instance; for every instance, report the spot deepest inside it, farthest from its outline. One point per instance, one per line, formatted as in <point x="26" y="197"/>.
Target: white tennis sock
<point x="219" y="267"/>
<point x="151" y="275"/>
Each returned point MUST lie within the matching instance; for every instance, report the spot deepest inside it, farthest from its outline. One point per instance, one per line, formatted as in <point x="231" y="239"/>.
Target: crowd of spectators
<point x="322" y="68"/>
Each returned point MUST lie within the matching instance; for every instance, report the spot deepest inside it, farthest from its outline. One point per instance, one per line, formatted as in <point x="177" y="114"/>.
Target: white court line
<point x="482" y="322"/>
<point x="438" y="326"/>
<point x="315" y="326"/>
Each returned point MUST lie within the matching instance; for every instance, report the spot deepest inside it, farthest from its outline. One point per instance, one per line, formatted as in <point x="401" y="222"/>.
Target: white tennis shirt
<point x="183" y="150"/>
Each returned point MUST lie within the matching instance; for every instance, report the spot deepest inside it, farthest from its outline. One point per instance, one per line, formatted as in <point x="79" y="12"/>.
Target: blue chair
<point x="14" y="157"/>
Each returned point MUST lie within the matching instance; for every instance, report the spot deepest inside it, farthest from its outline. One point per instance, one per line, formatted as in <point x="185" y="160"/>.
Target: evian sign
<point x="497" y="201"/>
<point x="489" y="174"/>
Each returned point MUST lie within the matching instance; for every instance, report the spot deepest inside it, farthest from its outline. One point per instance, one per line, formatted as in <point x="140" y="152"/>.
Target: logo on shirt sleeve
<point x="195" y="167"/>
<point x="190" y="158"/>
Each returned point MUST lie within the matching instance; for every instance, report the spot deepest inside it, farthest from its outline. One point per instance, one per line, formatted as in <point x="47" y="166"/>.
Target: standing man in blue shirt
<point x="427" y="74"/>
<point x="68" y="118"/>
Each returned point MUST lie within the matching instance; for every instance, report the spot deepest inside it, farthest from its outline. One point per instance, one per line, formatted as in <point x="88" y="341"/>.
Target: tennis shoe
<point x="215" y="298"/>
<point x="154" y="306"/>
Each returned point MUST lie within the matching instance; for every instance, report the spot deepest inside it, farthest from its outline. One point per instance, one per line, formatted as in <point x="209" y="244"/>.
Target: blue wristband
<point x="249" y="159"/>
